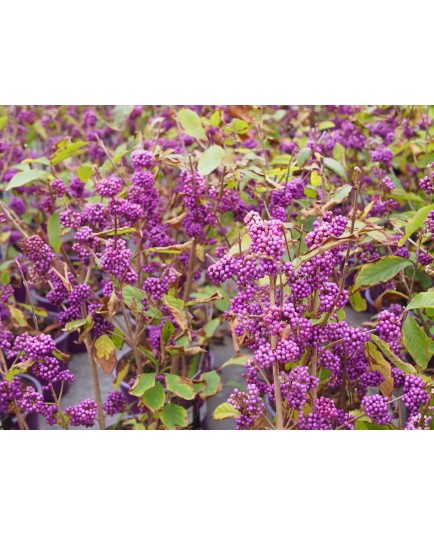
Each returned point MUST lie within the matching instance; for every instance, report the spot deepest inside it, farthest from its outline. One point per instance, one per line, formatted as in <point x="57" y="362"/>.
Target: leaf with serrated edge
<point x="143" y="383"/>
<point x="418" y="345"/>
<point x="154" y="397"/>
<point x="415" y="223"/>
<point x="104" y="353"/>
<point x="213" y="384"/>
<point x="380" y="271"/>
<point x="225" y="411"/>
<point x="182" y="387"/>
<point x="174" y="416"/>
<point x="423" y="300"/>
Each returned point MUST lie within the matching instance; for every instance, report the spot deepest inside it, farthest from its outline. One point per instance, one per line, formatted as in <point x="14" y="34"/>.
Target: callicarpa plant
<point x="315" y="370"/>
<point x="133" y="239"/>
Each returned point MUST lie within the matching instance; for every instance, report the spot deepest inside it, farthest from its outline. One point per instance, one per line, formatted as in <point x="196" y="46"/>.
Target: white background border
<point x="208" y="483"/>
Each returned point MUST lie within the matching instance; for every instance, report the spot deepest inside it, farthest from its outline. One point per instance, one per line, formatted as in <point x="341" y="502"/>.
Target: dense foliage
<point x="136" y="233"/>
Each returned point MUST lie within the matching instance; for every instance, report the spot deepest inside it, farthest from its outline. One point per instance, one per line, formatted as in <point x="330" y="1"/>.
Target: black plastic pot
<point x="10" y="422"/>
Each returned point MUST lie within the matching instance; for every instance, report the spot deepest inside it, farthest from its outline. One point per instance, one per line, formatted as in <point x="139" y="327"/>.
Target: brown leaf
<point x="376" y="361"/>
<point x="193" y="350"/>
<point x="214" y="297"/>
<point x="104" y="354"/>
<point x="241" y="112"/>
<point x="122" y="369"/>
<point x="260" y="423"/>
<point x="61" y="270"/>
<point x="180" y="315"/>
<point x="112" y="305"/>
<point x="392" y="295"/>
<point x="106" y="365"/>
<point x="61" y="356"/>
<point x="176" y="219"/>
<point x="175" y="247"/>
<point x="109" y="305"/>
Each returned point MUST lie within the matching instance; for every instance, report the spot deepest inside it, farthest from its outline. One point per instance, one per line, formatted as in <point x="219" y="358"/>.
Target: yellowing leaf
<point x="104" y="353"/>
<point x="315" y="179"/>
<point x="191" y="123"/>
<point x="225" y="411"/>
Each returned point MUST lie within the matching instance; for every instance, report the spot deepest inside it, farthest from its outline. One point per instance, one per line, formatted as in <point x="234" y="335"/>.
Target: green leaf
<point x="176" y="307"/>
<point x="341" y="315"/>
<point x="240" y="361"/>
<point x="216" y="118"/>
<point x="133" y="298"/>
<point x="213" y="384"/>
<point x="122" y="369"/>
<point x="18" y="316"/>
<point x="53" y="229"/>
<point x="240" y="126"/>
<point x="324" y="125"/>
<point x="210" y="159"/>
<point x="73" y="149"/>
<point x="74" y="325"/>
<point x="418" y="345"/>
<point x="84" y="173"/>
<point x="211" y="326"/>
<point x="39" y="311"/>
<point x="143" y="383"/>
<point x="24" y="177"/>
<point x="315" y="179"/>
<point x="3" y="121"/>
<point x="174" y="302"/>
<point x="61" y="356"/>
<point x="167" y="331"/>
<point x="42" y="160"/>
<point x="121" y="113"/>
<point x="174" y="415"/>
<point x="282" y="159"/>
<point x="120" y="231"/>
<point x="225" y="411"/>
<point x="380" y="271"/>
<point x="191" y="123"/>
<point x="182" y="387"/>
<point x="310" y="192"/>
<point x="424" y="300"/>
<point x="358" y="302"/>
<point x="335" y="167"/>
<point x="415" y="223"/>
<point x="338" y="152"/>
<point x="341" y="193"/>
<point x="118" y="338"/>
<point x="397" y="361"/>
<point x="18" y="368"/>
<point x="401" y="195"/>
<point x="303" y="156"/>
<point x="154" y="398"/>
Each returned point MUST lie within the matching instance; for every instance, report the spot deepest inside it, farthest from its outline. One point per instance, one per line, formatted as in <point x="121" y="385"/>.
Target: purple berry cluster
<point x="376" y="409"/>
<point x="415" y="393"/>
<point x="115" y="403"/>
<point x="83" y="414"/>
<point x="116" y="260"/>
